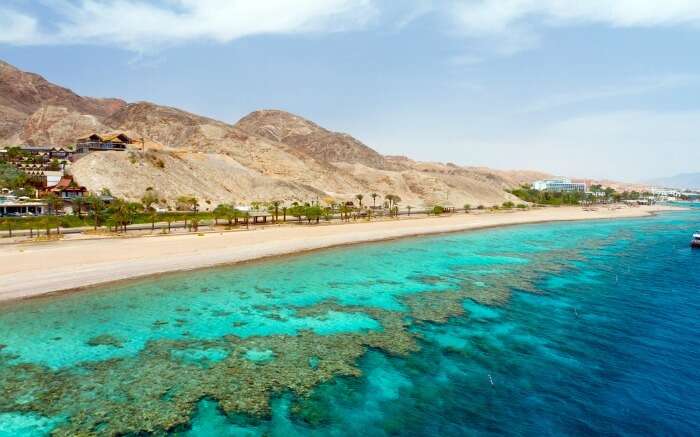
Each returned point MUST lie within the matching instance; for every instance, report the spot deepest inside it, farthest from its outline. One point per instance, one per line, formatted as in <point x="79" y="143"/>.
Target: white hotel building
<point x="559" y="185"/>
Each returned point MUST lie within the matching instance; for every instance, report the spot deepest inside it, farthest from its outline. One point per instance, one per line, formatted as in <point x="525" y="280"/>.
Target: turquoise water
<point x="555" y="329"/>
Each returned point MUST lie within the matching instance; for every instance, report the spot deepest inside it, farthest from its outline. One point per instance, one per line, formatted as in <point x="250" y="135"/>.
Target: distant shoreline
<point x="31" y="270"/>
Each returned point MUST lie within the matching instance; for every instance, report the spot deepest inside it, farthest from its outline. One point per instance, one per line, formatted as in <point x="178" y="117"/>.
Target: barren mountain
<point x="266" y="155"/>
<point x="27" y="100"/>
<point x="309" y="138"/>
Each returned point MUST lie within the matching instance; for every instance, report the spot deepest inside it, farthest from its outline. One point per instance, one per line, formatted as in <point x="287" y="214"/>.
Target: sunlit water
<point x="555" y="329"/>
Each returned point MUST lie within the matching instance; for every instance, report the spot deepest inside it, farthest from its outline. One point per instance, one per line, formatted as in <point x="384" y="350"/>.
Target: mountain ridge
<point x="266" y="154"/>
<point x="689" y="180"/>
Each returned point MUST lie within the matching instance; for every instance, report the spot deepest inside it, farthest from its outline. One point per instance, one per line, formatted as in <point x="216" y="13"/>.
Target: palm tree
<point x="374" y="199"/>
<point x="149" y="198"/>
<point x="46" y="224"/>
<point x="9" y="224"/>
<point x="389" y="198"/>
<point x="345" y="212"/>
<point x="123" y="212"/>
<point x="78" y="202"/>
<point x="393" y="200"/>
<point x="409" y="208"/>
<point x="97" y="207"/>
<point x="53" y="202"/>
<point x="359" y="197"/>
<point x="169" y="218"/>
<point x="195" y="222"/>
<point x="275" y="205"/>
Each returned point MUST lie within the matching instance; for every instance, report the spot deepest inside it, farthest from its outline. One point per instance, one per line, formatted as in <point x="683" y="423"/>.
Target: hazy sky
<point x="601" y="88"/>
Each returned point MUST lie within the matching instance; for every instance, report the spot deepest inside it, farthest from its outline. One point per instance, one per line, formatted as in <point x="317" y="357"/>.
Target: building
<point x="559" y="185"/>
<point x="20" y="206"/>
<point x="102" y="142"/>
<point x="47" y="153"/>
<point x="68" y="189"/>
<point x="665" y="192"/>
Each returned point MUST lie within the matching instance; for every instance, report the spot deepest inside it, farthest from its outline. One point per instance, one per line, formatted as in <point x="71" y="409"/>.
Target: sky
<point x="595" y="88"/>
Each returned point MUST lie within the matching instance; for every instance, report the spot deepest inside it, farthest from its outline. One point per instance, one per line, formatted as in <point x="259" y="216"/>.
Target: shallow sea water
<point x="552" y="329"/>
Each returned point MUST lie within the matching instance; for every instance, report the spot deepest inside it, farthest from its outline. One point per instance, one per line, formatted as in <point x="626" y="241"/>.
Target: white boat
<point x="695" y="242"/>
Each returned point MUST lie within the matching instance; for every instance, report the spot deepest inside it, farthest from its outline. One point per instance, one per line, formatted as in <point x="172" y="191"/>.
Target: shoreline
<point x="51" y="269"/>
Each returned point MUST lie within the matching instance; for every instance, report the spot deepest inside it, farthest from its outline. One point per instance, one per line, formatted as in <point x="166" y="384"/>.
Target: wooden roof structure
<point x="115" y="137"/>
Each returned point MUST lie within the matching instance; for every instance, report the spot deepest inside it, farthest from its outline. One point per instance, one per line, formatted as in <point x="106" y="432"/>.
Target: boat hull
<point x="695" y="244"/>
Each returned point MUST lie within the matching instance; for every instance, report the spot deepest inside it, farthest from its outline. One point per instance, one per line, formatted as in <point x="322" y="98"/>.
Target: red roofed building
<point x="67" y="188"/>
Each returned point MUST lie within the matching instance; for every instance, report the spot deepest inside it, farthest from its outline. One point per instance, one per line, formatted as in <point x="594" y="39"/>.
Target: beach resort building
<point x="20" y="206"/>
<point x="47" y="153"/>
<point x="68" y="189"/>
<point x="559" y="185"/>
<point x="102" y="142"/>
<point x="665" y="192"/>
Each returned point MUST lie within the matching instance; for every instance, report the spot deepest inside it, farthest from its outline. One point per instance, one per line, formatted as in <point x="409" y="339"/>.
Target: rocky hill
<point x="35" y="111"/>
<point x="309" y="138"/>
<point x="266" y="155"/>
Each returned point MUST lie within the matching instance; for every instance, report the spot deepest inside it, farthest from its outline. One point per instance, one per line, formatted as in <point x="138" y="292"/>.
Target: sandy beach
<point x="33" y="269"/>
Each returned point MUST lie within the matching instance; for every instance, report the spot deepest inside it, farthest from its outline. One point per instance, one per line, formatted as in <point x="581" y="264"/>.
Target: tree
<point x="196" y="218"/>
<point x="359" y="197"/>
<point x="296" y="211"/>
<point x="9" y="225"/>
<point x="123" y="213"/>
<point x="345" y="212"/>
<point x="169" y="219"/>
<point x="11" y="176"/>
<point x="327" y="213"/>
<point x="409" y="208"/>
<point x="275" y="209"/>
<point x="150" y="198"/>
<point x="389" y="198"/>
<point x="393" y="200"/>
<point x="54" y="203"/>
<point x="187" y="203"/>
<point x="438" y="209"/>
<point x="48" y="223"/>
<point x="218" y="213"/>
<point x="313" y="213"/>
<point x="97" y="208"/>
<point x="374" y="199"/>
<point x="226" y="212"/>
<point x="467" y="207"/>
<point x="78" y="202"/>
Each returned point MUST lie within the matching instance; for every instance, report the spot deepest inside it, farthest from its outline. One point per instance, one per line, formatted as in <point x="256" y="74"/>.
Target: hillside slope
<point x="266" y="155"/>
<point x="35" y="111"/>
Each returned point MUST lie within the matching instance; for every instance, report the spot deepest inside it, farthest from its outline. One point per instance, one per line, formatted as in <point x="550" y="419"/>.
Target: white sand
<point x="32" y="269"/>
